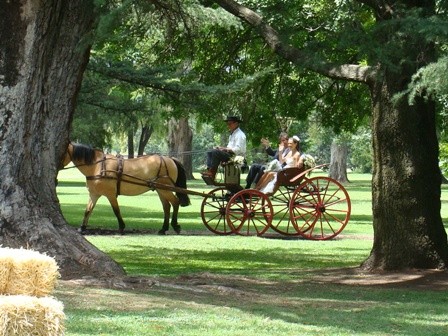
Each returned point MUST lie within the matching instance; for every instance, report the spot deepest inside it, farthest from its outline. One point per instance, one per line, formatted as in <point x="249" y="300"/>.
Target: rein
<point x="84" y="164"/>
<point x="81" y="165"/>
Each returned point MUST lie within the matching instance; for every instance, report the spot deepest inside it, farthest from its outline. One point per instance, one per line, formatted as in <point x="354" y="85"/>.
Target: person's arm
<point x="267" y="147"/>
<point x="230" y="145"/>
<point x="270" y="151"/>
<point x="300" y="161"/>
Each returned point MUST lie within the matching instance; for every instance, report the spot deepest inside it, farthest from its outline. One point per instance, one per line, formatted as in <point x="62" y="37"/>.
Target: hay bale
<point x="28" y="315"/>
<point x="27" y="272"/>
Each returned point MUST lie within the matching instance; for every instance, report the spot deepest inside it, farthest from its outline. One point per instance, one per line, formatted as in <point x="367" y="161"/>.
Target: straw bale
<point x="27" y="315"/>
<point x="27" y="272"/>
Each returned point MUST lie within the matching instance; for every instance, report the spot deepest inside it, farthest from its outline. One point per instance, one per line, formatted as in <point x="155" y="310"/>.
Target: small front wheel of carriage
<point x="320" y="208"/>
<point x="213" y="210"/>
<point x="249" y="212"/>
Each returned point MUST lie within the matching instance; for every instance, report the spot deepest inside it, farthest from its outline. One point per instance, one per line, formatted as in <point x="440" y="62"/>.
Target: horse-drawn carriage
<point x="314" y="207"/>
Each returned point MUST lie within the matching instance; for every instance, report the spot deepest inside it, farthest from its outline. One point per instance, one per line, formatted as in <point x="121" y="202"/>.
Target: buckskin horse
<point x="112" y="176"/>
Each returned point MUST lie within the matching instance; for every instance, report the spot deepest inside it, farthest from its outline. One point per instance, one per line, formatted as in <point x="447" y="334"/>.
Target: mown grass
<point x="203" y="284"/>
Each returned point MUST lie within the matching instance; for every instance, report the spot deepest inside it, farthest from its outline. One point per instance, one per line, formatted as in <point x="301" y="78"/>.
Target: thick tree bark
<point x="408" y="230"/>
<point x="406" y="185"/>
<point x="42" y="57"/>
<point x="338" y="164"/>
<point x="180" y="143"/>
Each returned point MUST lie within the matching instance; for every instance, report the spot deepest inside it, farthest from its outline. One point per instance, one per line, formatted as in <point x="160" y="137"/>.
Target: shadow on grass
<point x="135" y="218"/>
<point x="306" y="302"/>
<point x="268" y="263"/>
<point x="71" y="184"/>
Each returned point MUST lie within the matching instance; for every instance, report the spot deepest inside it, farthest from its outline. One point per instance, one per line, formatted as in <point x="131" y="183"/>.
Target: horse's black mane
<point x="83" y="153"/>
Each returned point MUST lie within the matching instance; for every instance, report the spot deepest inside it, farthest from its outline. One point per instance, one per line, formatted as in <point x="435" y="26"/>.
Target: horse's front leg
<point x="89" y="208"/>
<point x="114" y="203"/>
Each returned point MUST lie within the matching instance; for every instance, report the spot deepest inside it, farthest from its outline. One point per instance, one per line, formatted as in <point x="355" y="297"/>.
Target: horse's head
<point x="67" y="156"/>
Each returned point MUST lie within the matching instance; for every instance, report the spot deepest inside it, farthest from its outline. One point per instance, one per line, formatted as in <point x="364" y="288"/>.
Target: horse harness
<point x="118" y="173"/>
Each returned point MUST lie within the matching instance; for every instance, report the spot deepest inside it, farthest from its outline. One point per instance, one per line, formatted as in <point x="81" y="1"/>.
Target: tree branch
<point x="352" y="72"/>
<point x="147" y="78"/>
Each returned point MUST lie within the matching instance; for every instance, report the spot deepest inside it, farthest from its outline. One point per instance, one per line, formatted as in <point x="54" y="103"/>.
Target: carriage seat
<point x="282" y="179"/>
<point x="231" y="175"/>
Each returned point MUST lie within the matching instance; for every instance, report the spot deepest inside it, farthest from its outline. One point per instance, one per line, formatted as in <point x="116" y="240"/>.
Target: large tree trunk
<point x="180" y="143"/>
<point x="408" y="229"/>
<point x="338" y="164"/>
<point x="406" y="186"/>
<point x="42" y="57"/>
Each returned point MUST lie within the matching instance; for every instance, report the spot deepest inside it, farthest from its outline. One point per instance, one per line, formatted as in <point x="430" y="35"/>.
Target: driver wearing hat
<point x="235" y="146"/>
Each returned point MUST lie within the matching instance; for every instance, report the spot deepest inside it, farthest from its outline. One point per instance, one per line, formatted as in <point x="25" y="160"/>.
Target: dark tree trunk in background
<point x="42" y="57"/>
<point x="144" y="138"/>
<point x="130" y="143"/>
<point x="338" y="164"/>
<point x="180" y="143"/>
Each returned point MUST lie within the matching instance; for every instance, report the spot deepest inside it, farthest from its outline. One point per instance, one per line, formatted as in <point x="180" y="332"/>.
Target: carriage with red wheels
<point x="300" y="204"/>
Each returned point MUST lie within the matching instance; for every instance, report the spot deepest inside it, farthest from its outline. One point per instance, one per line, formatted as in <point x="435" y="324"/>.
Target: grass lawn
<point x="198" y="283"/>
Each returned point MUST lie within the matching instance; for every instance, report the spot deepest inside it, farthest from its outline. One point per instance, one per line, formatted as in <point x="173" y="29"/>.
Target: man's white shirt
<point x="237" y="142"/>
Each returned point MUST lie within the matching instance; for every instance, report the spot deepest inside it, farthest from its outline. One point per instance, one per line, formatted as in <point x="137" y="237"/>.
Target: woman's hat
<point x="233" y="118"/>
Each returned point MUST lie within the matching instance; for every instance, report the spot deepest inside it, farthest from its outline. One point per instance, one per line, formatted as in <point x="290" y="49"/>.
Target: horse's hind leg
<point x="174" y="224"/>
<point x="168" y="198"/>
<point x="114" y="203"/>
<point x="166" y="215"/>
<point x="89" y="208"/>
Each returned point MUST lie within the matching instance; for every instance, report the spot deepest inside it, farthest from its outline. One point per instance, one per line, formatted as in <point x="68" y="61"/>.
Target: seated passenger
<point x="292" y="159"/>
<point x="256" y="170"/>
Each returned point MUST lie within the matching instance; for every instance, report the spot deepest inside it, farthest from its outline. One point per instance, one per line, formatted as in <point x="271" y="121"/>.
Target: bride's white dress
<point x="269" y="188"/>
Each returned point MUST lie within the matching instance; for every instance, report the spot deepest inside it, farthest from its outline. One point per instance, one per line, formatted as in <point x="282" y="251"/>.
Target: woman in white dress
<point x="292" y="159"/>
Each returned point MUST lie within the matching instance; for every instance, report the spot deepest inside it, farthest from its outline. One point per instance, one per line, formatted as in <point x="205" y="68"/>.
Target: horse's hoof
<point x="82" y="231"/>
<point x="177" y="230"/>
<point x="121" y="232"/>
<point x="161" y="233"/>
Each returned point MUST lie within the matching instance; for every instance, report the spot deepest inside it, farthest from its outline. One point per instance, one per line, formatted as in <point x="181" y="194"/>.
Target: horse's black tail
<point x="181" y="182"/>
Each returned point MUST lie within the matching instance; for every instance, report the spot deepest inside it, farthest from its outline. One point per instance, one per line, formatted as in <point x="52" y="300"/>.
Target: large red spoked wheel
<point x="213" y="210"/>
<point x="249" y="212"/>
<point x="320" y="208"/>
<point x="281" y="221"/>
